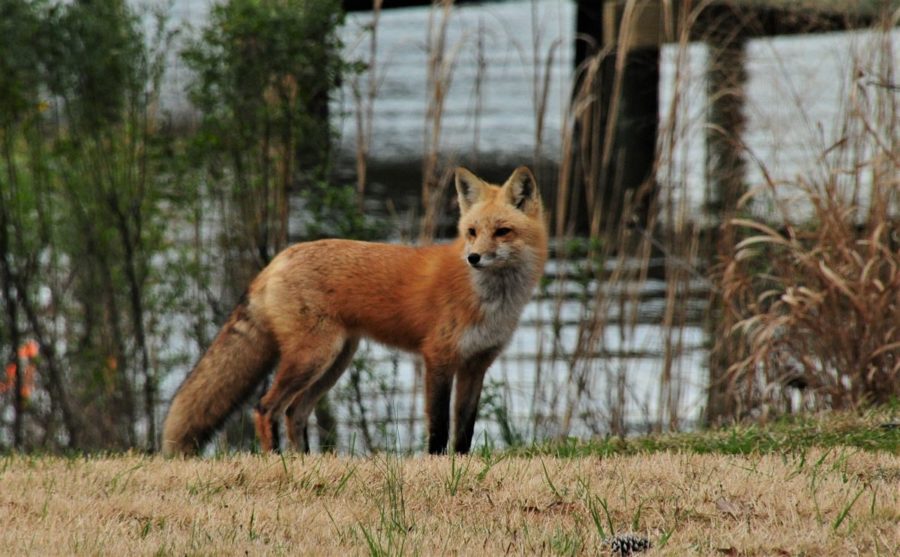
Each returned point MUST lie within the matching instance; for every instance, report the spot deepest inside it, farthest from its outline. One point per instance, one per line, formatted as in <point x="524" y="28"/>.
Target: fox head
<point x="503" y="226"/>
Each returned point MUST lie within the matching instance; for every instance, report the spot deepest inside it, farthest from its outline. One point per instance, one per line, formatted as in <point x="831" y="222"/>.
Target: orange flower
<point x="28" y="350"/>
<point x="10" y="378"/>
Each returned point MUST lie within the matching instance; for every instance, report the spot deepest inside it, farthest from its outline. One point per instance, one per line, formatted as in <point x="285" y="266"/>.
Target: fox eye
<point x="502" y="232"/>
<point x="472" y="232"/>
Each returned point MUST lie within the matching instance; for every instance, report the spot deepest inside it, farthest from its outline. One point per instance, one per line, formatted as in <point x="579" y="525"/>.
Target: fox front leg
<point x="438" y="384"/>
<point x="469" y="381"/>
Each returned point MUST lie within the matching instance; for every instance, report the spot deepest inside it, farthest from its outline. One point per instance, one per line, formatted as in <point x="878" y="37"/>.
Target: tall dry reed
<point x="442" y="59"/>
<point x="621" y="252"/>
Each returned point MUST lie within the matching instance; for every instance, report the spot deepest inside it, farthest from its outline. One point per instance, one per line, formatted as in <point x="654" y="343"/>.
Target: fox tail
<point x="239" y="358"/>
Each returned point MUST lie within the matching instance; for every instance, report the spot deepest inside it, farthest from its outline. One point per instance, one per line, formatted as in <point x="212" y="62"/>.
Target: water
<point x="797" y="87"/>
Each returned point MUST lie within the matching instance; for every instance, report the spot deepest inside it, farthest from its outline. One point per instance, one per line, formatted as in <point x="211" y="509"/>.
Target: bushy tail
<point x="239" y="358"/>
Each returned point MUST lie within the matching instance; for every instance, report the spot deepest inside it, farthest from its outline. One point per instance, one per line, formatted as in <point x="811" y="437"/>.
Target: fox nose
<point x="473" y="258"/>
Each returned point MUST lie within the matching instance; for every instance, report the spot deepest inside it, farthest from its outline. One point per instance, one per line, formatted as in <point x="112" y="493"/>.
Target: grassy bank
<point x="871" y="431"/>
<point x="823" y="498"/>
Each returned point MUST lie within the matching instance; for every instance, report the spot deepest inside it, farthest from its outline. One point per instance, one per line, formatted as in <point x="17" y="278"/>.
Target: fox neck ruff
<point x="502" y="294"/>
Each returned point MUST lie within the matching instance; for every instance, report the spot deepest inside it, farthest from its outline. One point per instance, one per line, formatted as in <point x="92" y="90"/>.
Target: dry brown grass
<point x="839" y="502"/>
<point x="813" y="290"/>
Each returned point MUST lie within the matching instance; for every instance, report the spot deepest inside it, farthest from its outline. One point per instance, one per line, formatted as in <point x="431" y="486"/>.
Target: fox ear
<point x="468" y="188"/>
<point x="521" y="189"/>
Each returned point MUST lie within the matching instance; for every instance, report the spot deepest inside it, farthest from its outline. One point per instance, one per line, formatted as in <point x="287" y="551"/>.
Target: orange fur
<point x="455" y="304"/>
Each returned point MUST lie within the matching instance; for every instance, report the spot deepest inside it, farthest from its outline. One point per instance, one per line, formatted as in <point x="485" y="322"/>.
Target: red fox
<point x="455" y="304"/>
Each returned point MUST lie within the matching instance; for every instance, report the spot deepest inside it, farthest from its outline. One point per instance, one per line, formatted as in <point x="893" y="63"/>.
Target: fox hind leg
<point x="303" y="362"/>
<point x="301" y="407"/>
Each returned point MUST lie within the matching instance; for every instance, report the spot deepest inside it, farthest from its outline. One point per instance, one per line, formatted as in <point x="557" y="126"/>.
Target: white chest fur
<point x="503" y="297"/>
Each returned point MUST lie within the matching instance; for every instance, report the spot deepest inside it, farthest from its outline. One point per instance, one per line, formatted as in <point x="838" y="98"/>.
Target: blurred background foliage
<point x="106" y="206"/>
